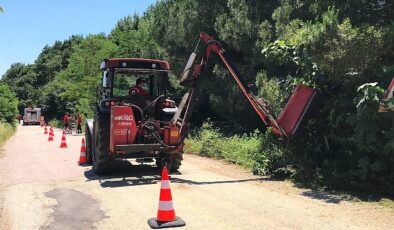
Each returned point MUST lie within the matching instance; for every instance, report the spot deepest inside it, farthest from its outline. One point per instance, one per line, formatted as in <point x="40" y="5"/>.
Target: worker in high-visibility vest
<point x="66" y="120"/>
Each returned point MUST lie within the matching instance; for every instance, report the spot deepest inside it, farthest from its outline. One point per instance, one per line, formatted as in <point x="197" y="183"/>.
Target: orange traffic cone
<point x="82" y="157"/>
<point x="63" y="144"/>
<point x="50" y="137"/>
<point x="45" y="130"/>
<point x="51" y="130"/>
<point x="166" y="214"/>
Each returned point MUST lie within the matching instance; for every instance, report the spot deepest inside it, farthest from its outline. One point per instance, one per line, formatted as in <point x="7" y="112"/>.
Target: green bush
<point x="8" y="104"/>
<point x="276" y="160"/>
<point x="244" y="150"/>
<point x="56" y="123"/>
<point x="208" y="141"/>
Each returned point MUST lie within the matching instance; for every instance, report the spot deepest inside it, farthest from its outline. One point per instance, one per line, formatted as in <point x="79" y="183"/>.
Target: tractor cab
<point x="140" y="82"/>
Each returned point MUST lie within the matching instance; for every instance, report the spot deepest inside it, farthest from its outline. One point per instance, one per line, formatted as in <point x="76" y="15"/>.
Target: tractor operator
<point x="138" y="89"/>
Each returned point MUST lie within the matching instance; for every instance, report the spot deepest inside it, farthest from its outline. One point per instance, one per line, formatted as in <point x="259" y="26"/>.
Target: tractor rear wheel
<point x="102" y="159"/>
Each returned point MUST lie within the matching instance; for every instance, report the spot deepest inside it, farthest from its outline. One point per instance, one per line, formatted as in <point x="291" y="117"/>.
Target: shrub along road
<point x="42" y="187"/>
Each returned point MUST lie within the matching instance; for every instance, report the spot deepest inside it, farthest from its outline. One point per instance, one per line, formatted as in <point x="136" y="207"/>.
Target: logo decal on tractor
<point x="120" y="131"/>
<point x="123" y="123"/>
<point x="124" y="117"/>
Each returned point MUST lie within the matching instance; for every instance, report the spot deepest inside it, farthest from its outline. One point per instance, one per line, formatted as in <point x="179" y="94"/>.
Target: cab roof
<point x="138" y="64"/>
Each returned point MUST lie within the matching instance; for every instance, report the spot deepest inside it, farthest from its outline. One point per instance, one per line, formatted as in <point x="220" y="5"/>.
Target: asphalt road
<point x="42" y="187"/>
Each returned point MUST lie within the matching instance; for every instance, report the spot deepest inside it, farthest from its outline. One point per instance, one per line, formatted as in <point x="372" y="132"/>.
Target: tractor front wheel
<point x="171" y="161"/>
<point x="102" y="159"/>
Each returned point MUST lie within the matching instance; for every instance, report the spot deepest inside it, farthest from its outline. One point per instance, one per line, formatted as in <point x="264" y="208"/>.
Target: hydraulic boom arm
<point x="192" y="78"/>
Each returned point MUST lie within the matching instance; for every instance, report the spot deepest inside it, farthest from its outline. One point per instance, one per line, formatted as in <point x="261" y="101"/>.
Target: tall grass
<point x="6" y="131"/>
<point x="253" y="151"/>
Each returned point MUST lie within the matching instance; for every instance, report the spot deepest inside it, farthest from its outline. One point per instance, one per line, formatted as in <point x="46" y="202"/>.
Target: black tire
<point x="102" y="159"/>
<point x="171" y="161"/>
<point x="176" y="161"/>
<point x="88" y="145"/>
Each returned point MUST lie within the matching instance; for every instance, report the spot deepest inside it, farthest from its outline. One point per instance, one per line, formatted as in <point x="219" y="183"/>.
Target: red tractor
<point x="133" y="116"/>
<point x="145" y="123"/>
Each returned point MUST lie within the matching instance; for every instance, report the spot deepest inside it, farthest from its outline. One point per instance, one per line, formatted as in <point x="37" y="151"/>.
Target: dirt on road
<point x="42" y="187"/>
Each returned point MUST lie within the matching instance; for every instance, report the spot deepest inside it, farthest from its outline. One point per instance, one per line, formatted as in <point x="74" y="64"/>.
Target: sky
<point x="26" y="26"/>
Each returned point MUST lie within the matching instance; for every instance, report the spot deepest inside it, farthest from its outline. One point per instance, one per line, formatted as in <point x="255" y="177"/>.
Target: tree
<point x="53" y="59"/>
<point x="75" y="88"/>
<point x="8" y="104"/>
<point x="133" y="37"/>
<point x="21" y="79"/>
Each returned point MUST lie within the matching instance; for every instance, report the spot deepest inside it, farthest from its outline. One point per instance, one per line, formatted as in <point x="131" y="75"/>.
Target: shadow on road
<point x="191" y="182"/>
<point x="335" y="197"/>
<point x="127" y="174"/>
<point x="324" y="196"/>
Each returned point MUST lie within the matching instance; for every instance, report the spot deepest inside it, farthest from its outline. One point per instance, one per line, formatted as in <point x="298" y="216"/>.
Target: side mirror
<point x="105" y="92"/>
<point x="105" y="79"/>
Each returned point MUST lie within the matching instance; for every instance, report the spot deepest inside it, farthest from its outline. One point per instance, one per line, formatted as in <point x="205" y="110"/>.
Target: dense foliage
<point x="258" y="152"/>
<point x="8" y="104"/>
<point x="350" y="144"/>
<point x="339" y="47"/>
<point x="8" y="112"/>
